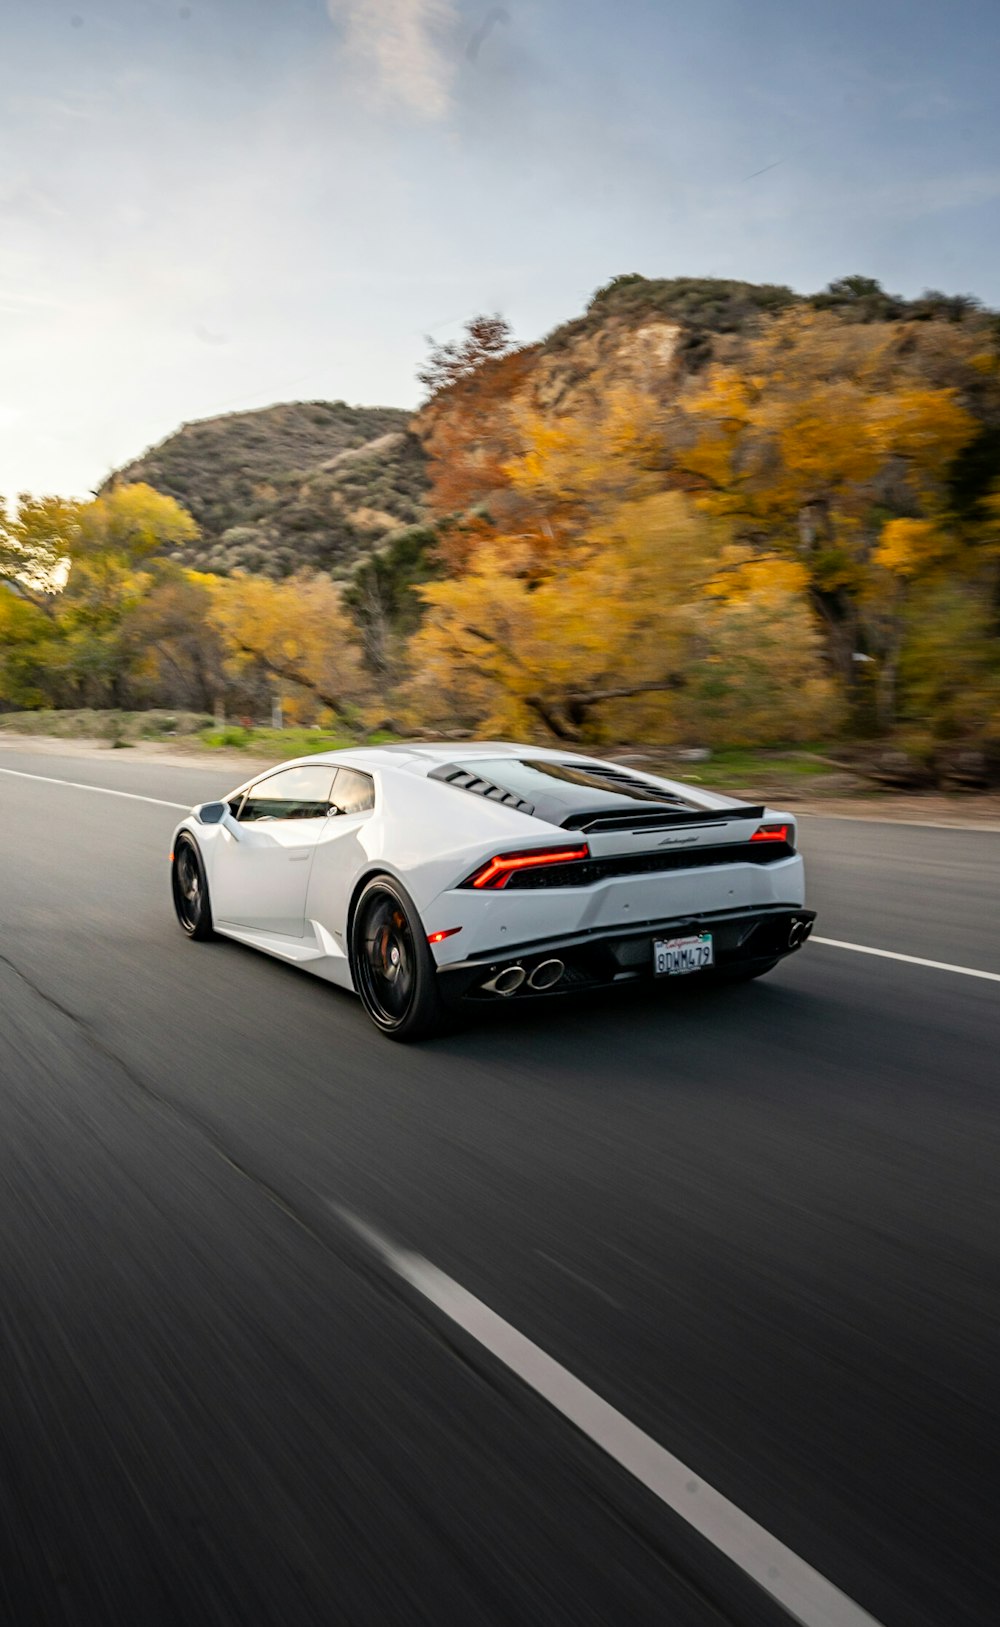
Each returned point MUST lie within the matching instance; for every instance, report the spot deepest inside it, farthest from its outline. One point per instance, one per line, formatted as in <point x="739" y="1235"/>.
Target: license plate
<point x="672" y="957"/>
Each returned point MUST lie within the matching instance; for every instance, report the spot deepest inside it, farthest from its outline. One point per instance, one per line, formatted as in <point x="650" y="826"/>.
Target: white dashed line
<point x="103" y="790"/>
<point x="909" y="960"/>
<point x="806" y="1595"/>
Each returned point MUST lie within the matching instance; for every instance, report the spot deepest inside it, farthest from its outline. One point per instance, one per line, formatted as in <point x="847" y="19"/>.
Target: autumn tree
<point x="26" y="648"/>
<point x="810" y="438"/>
<point x="36" y="541"/>
<point x="172" y="647"/>
<point x="949" y="667"/>
<point x="486" y="339"/>
<point x="469" y="434"/>
<point x="85" y="568"/>
<point x="296" y="632"/>
<point x="574" y="470"/>
<point x="611" y="642"/>
<point x="115" y="557"/>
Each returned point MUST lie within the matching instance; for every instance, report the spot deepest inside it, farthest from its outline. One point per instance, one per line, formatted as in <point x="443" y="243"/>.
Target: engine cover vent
<point x="466" y="780"/>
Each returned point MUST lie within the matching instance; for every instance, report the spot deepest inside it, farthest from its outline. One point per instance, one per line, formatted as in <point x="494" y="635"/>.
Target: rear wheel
<point x="190" y="889"/>
<point x="391" y="962"/>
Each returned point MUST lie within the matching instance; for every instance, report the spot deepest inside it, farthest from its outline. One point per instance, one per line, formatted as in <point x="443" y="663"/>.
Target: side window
<point x="353" y="792"/>
<point x="292" y="793"/>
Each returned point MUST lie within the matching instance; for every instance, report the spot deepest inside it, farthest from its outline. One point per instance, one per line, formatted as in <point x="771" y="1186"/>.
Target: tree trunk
<point x="567" y="718"/>
<point x="336" y="703"/>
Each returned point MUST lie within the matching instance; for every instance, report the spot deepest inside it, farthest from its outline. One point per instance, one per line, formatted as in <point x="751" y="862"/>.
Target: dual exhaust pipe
<point x="548" y="972"/>
<point x="507" y="982"/>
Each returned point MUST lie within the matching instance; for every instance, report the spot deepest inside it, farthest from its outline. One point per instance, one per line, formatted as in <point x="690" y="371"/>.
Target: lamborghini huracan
<point x="427" y="877"/>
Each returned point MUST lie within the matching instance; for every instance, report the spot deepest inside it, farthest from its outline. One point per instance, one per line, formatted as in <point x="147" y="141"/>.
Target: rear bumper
<point x="599" y="958"/>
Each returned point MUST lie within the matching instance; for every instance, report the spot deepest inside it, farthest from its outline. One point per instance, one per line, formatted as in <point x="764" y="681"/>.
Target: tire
<point x="189" y="885"/>
<point x="391" y="963"/>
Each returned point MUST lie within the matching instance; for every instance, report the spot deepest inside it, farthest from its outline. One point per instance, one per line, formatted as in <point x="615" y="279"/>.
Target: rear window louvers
<point x="619" y="777"/>
<point x="465" y="780"/>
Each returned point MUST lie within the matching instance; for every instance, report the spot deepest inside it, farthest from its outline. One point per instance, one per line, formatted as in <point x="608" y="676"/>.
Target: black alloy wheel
<point x="190" y="889"/>
<point x="391" y="962"/>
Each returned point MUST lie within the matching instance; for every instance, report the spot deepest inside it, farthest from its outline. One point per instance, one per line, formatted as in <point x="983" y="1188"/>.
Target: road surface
<point x="678" y="1309"/>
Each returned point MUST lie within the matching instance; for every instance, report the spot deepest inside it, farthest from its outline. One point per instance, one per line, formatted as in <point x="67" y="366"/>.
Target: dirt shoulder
<point x="239" y="764"/>
<point x="972" y="810"/>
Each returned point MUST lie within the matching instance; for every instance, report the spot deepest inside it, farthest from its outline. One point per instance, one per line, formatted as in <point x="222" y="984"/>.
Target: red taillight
<point x="772" y="833"/>
<point x="439" y="937"/>
<point x="503" y="865"/>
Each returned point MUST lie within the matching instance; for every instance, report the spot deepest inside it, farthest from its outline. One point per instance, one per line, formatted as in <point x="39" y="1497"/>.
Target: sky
<point x="211" y="205"/>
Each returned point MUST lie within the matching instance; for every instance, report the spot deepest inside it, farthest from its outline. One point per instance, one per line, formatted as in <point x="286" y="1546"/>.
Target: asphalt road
<point x="761" y="1223"/>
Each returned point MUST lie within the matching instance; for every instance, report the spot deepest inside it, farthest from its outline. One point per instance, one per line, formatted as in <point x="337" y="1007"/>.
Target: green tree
<point x="27" y="637"/>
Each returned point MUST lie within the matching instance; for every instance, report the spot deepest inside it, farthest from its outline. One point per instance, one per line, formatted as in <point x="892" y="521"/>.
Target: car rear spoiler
<point x="656" y="818"/>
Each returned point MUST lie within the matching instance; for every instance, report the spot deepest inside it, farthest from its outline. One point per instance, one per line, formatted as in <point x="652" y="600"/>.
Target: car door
<point x="340" y="850"/>
<point x="260" y="871"/>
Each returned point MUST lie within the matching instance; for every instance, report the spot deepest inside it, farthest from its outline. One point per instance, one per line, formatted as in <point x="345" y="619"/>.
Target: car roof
<point x="415" y="754"/>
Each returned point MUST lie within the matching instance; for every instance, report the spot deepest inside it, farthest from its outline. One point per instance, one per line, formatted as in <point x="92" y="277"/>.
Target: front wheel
<point x="392" y="965"/>
<point x="190" y="889"/>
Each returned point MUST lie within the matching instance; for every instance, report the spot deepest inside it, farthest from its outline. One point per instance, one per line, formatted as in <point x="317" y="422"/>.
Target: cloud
<point x="406" y="47"/>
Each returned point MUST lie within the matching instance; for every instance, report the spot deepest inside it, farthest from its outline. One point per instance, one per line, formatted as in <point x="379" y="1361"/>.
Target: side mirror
<point x="211" y="813"/>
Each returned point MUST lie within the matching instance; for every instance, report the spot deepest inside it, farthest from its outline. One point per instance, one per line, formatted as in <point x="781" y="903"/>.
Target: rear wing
<point x="657" y="818"/>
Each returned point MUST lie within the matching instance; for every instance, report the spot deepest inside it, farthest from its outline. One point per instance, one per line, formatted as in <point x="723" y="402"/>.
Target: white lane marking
<point x="104" y="790"/>
<point x="806" y="1595"/>
<point x="909" y="960"/>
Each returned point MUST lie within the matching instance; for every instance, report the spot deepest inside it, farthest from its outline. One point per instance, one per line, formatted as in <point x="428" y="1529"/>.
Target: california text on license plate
<point x="674" y="956"/>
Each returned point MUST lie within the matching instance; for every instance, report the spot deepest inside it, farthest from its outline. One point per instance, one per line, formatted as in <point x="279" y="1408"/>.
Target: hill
<point x="326" y="485"/>
<point x="662" y="337"/>
<point x="306" y="483"/>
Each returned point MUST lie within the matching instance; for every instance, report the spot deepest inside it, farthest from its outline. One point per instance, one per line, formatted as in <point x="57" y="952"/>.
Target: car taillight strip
<point x="772" y="833"/>
<point x="502" y="866"/>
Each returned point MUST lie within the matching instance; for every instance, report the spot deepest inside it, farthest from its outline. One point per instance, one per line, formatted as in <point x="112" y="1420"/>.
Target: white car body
<point x="287" y="886"/>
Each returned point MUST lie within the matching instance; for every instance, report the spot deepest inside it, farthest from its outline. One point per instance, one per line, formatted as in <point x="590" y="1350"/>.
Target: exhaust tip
<point x="506" y="982"/>
<point x="798" y="932"/>
<point x="546" y="974"/>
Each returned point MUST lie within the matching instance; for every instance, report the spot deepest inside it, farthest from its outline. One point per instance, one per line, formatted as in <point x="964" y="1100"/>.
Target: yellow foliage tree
<point x="909" y="547"/>
<point x="577" y="468"/>
<point x="35" y="543"/>
<point x="116" y="552"/>
<point x="296" y="631"/>
<point x="612" y="643"/>
<point x="807" y="437"/>
<point x="26" y="635"/>
<point x="809" y="426"/>
<point x="761" y="679"/>
<point x="131" y="522"/>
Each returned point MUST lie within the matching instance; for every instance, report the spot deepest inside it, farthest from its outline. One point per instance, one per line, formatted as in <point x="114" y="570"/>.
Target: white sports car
<point x="423" y="876"/>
